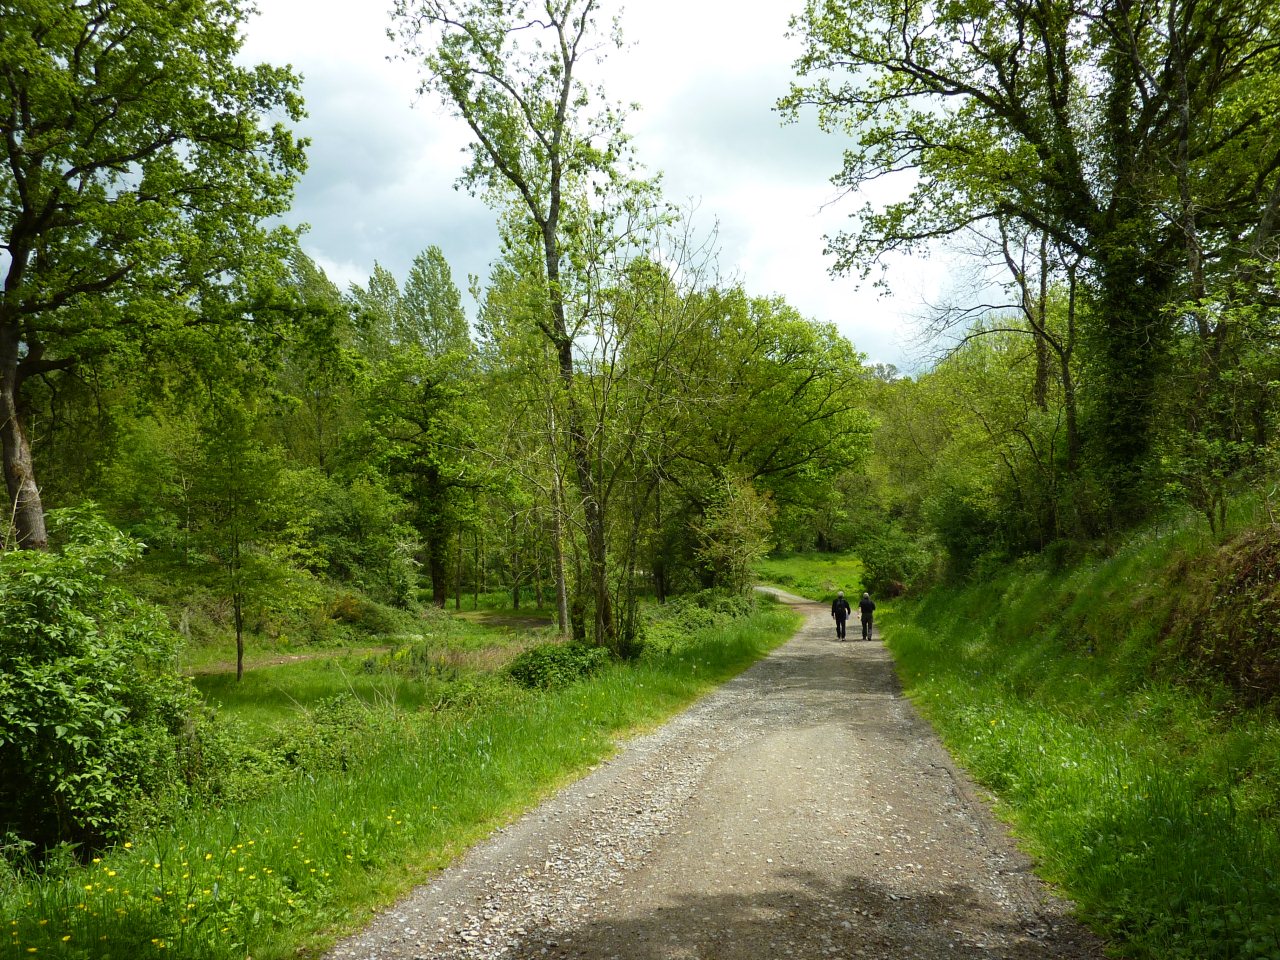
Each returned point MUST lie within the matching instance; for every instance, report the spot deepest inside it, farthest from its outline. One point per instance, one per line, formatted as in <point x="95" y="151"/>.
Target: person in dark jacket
<point x="840" y="611"/>
<point x="866" y="608"/>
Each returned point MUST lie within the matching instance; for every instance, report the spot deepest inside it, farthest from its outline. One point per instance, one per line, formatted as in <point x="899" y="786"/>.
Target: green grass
<point x="270" y="695"/>
<point x="313" y="858"/>
<point x="1152" y="800"/>
<point x="501" y="600"/>
<point x="279" y="682"/>
<point x="814" y="575"/>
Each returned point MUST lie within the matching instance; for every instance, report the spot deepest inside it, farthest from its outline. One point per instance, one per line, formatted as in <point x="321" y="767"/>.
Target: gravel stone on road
<point x="804" y="809"/>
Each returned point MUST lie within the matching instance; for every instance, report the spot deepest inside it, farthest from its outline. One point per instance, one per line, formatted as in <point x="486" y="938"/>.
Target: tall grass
<point x="1151" y="800"/>
<point x="313" y="858"/>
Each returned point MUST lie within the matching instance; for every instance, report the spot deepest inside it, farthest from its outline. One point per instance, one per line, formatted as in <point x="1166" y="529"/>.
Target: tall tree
<point x="433" y="315"/>
<point x="140" y="163"/>
<point x="511" y="72"/>
<point x="233" y="489"/>
<point x="424" y="387"/>
<point x="1136" y="137"/>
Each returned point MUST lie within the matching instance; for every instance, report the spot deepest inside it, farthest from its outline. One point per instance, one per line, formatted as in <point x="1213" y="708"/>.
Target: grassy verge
<point x="814" y="575"/>
<point x="1152" y="800"/>
<point x="312" y="858"/>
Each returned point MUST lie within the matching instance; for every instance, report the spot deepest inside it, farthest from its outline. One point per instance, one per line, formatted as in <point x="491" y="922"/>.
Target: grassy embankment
<point x="1118" y="708"/>
<point x="814" y="575"/>
<point x="410" y="766"/>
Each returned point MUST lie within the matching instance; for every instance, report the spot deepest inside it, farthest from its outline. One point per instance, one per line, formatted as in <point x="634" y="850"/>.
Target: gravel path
<point x="802" y="810"/>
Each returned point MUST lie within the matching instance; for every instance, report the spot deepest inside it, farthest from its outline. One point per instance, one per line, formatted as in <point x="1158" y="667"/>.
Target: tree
<point x="767" y="396"/>
<point x="428" y="414"/>
<point x="433" y="315"/>
<point x="319" y="371"/>
<point x="526" y="403"/>
<point x="423" y="386"/>
<point x="734" y="534"/>
<point x="510" y="71"/>
<point x="93" y="713"/>
<point x="1136" y="138"/>
<point x="233" y="489"/>
<point x="139" y="168"/>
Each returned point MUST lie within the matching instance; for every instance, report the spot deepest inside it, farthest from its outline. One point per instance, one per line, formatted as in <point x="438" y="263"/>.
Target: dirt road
<point x="802" y="810"/>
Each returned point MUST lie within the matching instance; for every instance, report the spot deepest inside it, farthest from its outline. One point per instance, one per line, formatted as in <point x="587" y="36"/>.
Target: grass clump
<point x="1143" y="784"/>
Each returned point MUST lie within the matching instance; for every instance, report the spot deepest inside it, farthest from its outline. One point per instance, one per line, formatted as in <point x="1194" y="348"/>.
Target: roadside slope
<point x="803" y="809"/>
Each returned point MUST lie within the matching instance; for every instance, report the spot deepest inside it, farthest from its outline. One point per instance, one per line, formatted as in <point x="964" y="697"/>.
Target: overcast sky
<point x="383" y="163"/>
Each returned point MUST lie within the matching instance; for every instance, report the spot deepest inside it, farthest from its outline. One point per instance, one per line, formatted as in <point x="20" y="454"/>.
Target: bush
<point x="370" y="618"/>
<point x="675" y="620"/>
<point x="1232" y="617"/>
<point x="551" y="665"/>
<point x="893" y="560"/>
<point x="93" y="714"/>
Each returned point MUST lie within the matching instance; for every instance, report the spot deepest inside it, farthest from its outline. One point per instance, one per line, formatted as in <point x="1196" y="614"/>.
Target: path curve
<point x="801" y="810"/>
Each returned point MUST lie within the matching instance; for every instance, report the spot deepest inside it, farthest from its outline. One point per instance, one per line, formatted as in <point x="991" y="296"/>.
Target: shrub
<point x="93" y="714"/>
<point x="368" y="617"/>
<point x="550" y="665"/>
<point x="677" y="619"/>
<point x="893" y="560"/>
<point x="1233" y="634"/>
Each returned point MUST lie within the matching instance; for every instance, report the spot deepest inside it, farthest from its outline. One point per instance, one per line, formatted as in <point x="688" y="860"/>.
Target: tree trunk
<point x="659" y="556"/>
<point x="1041" y="328"/>
<point x="516" y="565"/>
<point x="237" y="600"/>
<point x="562" y="589"/>
<point x="605" y="634"/>
<point x="437" y="549"/>
<point x="457" y="583"/>
<point x="1068" y="380"/>
<point x="1132" y="294"/>
<point x="579" y="444"/>
<point x="238" y="608"/>
<point x="26" y="511"/>
<point x="592" y="508"/>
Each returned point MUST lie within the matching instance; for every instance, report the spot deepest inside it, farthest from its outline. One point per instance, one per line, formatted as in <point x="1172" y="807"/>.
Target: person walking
<point x="866" y="610"/>
<point x="840" y="611"/>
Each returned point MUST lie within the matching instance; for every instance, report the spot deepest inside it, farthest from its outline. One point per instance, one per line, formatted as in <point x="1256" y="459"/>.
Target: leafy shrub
<point x="550" y="665"/>
<point x="368" y="617"/>
<point x="1234" y="630"/>
<point x="331" y="735"/>
<point x="472" y="691"/>
<point x="93" y="714"/>
<point x="675" y="620"/>
<point x="735" y="532"/>
<point x="892" y="559"/>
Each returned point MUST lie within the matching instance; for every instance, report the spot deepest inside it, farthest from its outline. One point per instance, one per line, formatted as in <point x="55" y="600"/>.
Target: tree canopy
<point x="141" y="162"/>
<point x="1137" y="139"/>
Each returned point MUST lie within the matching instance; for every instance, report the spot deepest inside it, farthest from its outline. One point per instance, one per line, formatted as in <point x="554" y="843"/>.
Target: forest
<point x="215" y="456"/>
